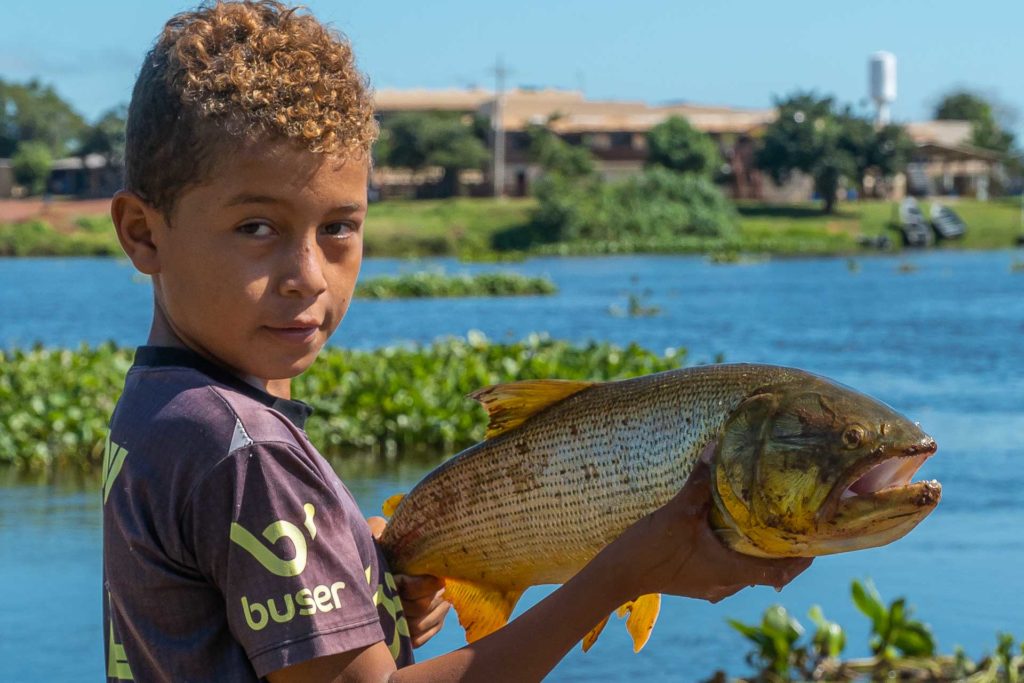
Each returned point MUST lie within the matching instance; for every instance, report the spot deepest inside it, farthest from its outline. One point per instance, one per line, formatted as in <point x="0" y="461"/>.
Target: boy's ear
<point x="135" y="221"/>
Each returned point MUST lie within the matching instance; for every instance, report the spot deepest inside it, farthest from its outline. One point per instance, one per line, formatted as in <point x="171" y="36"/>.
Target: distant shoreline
<point x="464" y="228"/>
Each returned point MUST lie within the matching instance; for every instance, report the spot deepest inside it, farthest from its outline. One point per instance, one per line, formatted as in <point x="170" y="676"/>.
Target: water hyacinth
<point x="437" y="284"/>
<point x="55" y="403"/>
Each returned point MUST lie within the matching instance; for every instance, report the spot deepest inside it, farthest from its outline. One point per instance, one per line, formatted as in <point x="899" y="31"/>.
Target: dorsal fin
<point x="510" y="405"/>
<point x="391" y="504"/>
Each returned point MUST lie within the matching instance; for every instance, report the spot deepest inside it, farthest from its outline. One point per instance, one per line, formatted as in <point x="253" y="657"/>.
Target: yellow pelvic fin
<point x="591" y="637"/>
<point x="510" y="405"/>
<point x="482" y="609"/>
<point x="643" y="612"/>
<point x="389" y="506"/>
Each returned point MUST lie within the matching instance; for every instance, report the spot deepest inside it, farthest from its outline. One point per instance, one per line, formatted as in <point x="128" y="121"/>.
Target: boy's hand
<point x="674" y="550"/>
<point x="424" y="605"/>
<point x="422" y="597"/>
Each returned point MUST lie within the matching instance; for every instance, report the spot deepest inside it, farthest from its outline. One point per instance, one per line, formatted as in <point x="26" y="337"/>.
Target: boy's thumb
<point x="696" y="493"/>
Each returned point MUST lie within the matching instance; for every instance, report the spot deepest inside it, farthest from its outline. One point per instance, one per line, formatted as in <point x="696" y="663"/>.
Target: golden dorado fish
<point x="800" y="466"/>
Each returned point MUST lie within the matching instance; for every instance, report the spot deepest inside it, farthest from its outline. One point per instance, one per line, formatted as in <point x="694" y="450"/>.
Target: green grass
<point x="466" y="227"/>
<point x="441" y="227"/>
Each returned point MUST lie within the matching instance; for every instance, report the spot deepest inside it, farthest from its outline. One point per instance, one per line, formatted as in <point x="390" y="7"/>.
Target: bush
<point x="38" y="238"/>
<point x="31" y="164"/>
<point x="658" y="204"/>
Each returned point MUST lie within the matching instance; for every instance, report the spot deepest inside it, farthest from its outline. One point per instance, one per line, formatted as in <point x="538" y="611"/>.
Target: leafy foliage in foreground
<point x="55" y="404"/>
<point x="433" y="284"/>
<point x="902" y="648"/>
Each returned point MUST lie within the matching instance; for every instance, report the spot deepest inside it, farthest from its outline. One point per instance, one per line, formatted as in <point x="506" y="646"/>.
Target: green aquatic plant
<point x="425" y="284"/>
<point x="902" y="648"/>
<point x="893" y="632"/>
<point x="55" y="403"/>
<point x="777" y="652"/>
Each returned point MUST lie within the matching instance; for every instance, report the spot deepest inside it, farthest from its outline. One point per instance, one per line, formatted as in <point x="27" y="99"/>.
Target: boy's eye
<point x="339" y="229"/>
<point x="256" y="229"/>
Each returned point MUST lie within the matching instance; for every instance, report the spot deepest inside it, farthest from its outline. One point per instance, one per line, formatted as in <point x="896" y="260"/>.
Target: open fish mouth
<point x="886" y="479"/>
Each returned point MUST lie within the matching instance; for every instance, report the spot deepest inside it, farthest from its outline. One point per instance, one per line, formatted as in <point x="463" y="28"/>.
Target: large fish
<point x="800" y="466"/>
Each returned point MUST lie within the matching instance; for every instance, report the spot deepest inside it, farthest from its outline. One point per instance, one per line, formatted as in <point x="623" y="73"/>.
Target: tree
<point x="990" y="122"/>
<point x="556" y="156"/>
<point x="35" y="112"/>
<point x="678" y="146"/>
<point x="106" y="137"/>
<point x="807" y="136"/>
<point x="31" y="164"/>
<point x="884" y="151"/>
<point x="417" y="140"/>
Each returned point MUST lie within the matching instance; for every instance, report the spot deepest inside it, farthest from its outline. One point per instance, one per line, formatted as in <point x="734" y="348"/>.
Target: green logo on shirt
<point x="113" y="460"/>
<point x="309" y="601"/>
<point x="273" y="533"/>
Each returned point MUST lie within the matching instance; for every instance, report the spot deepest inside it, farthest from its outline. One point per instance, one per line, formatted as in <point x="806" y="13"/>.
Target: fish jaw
<point x="877" y="503"/>
<point x="876" y="519"/>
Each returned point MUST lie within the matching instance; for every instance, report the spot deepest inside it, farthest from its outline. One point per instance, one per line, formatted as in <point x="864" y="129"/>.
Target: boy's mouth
<point x="295" y="332"/>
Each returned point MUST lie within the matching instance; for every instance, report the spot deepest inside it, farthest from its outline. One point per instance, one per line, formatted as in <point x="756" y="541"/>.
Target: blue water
<point x="943" y="344"/>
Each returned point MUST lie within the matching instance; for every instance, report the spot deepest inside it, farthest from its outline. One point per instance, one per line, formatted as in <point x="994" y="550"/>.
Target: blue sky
<point x="717" y="52"/>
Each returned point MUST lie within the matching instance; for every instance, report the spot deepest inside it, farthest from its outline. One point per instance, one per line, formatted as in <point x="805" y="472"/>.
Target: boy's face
<point x="258" y="264"/>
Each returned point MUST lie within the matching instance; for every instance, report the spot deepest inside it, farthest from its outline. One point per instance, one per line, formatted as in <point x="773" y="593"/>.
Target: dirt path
<point x="61" y="214"/>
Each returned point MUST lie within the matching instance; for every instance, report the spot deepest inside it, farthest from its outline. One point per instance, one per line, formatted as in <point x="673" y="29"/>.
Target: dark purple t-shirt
<point x="231" y="549"/>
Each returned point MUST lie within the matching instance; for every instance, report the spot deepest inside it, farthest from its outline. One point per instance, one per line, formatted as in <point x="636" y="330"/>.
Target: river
<point x="939" y="336"/>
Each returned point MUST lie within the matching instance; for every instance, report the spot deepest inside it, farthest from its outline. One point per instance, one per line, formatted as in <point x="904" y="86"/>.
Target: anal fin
<point x="482" y="609"/>
<point x="591" y="637"/>
<point x="640" y="617"/>
<point x="643" y="612"/>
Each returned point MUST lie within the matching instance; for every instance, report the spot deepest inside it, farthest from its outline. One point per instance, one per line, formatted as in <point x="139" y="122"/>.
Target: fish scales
<point x="537" y="503"/>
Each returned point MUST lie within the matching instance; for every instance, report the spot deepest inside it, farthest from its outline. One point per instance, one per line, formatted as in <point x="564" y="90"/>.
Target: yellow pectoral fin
<point x="643" y="612"/>
<point x="591" y="637"/>
<point x="391" y="504"/>
<point x="482" y="609"/>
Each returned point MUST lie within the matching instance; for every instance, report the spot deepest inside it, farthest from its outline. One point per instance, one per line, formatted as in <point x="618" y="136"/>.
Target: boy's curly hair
<point x="233" y="72"/>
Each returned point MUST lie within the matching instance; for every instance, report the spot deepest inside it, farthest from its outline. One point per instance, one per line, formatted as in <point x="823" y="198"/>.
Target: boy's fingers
<point x="422" y="638"/>
<point x="418" y="587"/>
<point x="423" y="627"/>
<point x="764" y="572"/>
<point x="376" y="525"/>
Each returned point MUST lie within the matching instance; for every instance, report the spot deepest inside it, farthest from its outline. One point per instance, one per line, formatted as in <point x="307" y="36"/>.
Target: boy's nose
<point x="305" y="277"/>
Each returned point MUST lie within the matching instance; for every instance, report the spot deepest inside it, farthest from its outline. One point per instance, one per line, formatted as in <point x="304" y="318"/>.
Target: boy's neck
<point x="162" y="334"/>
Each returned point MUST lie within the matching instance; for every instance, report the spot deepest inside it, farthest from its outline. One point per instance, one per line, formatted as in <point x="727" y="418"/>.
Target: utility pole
<point x="498" y="156"/>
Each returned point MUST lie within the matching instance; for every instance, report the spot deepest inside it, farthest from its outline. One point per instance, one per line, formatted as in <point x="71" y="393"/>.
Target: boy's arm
<point x="670" y="551"/>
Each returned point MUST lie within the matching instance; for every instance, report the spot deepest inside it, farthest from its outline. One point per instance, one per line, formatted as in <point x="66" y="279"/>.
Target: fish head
<point x="811" y="468"/>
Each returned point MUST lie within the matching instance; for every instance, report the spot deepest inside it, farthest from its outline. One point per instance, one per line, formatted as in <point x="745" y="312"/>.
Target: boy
<point x="232" y="551"/>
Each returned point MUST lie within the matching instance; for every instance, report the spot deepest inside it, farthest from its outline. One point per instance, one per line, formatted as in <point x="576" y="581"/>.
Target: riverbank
<point x="467" y="228"/>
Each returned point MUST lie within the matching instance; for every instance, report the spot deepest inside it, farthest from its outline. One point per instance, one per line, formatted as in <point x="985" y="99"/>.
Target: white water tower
<point x="882" y="77"/>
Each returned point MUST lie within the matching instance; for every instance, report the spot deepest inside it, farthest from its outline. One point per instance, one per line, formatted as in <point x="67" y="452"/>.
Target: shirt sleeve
<point x="278" y="542"/>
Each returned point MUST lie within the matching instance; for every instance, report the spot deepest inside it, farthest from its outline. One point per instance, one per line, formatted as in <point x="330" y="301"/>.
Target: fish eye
<point x="853" y="436"/>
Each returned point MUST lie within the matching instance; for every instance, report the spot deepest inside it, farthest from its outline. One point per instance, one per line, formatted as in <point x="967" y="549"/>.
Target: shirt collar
<point x="170" y="356"/>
